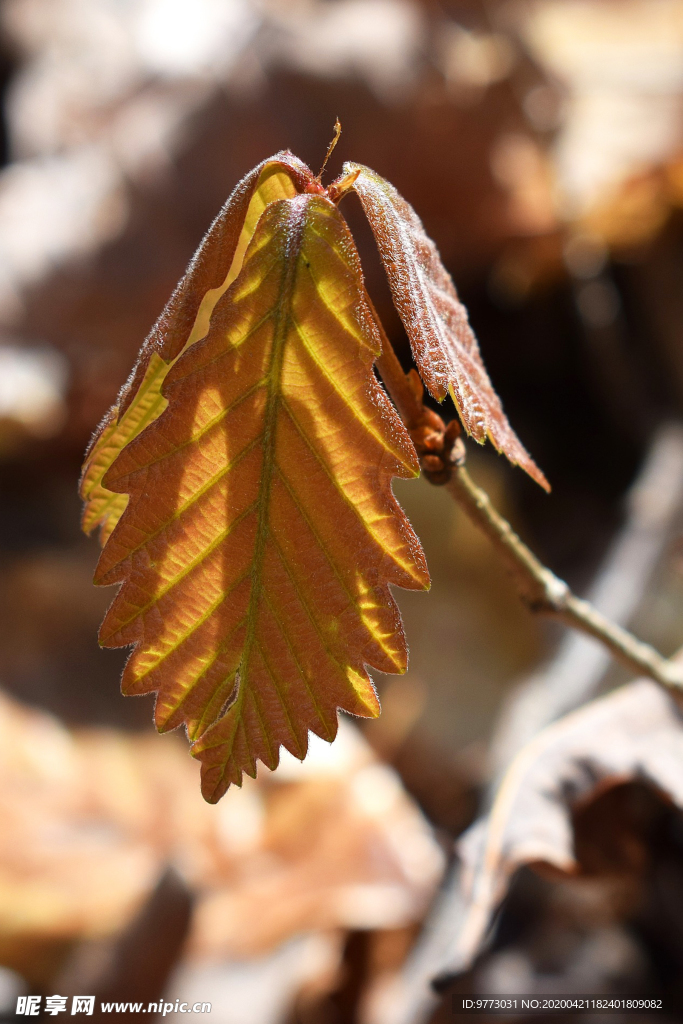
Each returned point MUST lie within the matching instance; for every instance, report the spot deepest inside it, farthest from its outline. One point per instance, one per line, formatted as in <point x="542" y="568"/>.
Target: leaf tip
<point x="508" y="445"/>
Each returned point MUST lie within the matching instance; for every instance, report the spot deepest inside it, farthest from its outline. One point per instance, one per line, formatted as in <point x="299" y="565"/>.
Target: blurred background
<point x="541" y="143"/>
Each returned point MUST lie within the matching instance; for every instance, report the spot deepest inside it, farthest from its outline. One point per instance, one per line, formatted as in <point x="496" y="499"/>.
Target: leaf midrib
<point x="281" y="316"/>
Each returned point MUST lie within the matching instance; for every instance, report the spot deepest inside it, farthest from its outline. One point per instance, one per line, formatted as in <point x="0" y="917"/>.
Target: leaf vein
<point x="354" y="509"/>
<point x="295" y="657"/>
<point x="187" y="569"/>
<point x="348" y="403"/>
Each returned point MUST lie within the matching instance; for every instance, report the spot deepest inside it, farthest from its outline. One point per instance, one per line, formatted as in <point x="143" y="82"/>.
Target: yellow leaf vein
<point x="366" y="525"/>
<point x="187" y="569"/>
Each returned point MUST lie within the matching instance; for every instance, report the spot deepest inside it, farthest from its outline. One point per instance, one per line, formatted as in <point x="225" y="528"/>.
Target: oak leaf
<point x="443" y="343"/>
<point x="261" y="532"/>
<point x="242" y="483"/>
<point x="184" y="321"/>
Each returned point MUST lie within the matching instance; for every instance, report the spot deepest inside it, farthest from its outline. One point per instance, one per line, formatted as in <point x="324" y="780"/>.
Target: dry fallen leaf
<point x="633" y="734"/>
<point x="92" y="817"/>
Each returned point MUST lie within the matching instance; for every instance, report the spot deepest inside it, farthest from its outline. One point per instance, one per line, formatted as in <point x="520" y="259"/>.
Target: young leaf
<point x="443" y="343"/>
<point x="261" y="533"/>
<point x="183" y="322"/>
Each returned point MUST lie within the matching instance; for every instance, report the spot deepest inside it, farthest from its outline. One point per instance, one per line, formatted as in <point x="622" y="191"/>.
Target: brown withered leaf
<point x="633" y="734"/>
<point x="184" y="321"/>
<point x="90" y="818"/>
<point x="328" y="853"/>
<point x="444" y="346"/>
<point x="261" y="533"/>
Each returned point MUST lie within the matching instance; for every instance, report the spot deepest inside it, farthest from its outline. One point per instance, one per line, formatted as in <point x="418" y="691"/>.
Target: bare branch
<point x="652" y="511"/>
<point x="544" y="592"/>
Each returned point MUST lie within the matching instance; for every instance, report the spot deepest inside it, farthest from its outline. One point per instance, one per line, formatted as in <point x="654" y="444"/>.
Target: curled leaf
<point x="184" y="321"/>
<point x="261" y="535"/>
<point x="633" y="734"/>
<point x="443" y="343"/>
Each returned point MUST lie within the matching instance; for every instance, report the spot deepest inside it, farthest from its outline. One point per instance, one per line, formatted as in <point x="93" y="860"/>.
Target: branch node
<point x="556" y="590"/>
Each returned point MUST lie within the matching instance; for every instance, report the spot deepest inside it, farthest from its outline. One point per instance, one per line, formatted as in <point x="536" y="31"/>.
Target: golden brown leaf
<point x="183" y="322"/>
<point x="261" y="534"/>
<point x="443" y="343"/>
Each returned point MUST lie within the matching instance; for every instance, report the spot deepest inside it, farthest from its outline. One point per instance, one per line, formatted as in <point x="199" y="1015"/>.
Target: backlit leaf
<point x="183" y="322"/>
<point x="443" y="343"/>
<point x="261" y="533"/>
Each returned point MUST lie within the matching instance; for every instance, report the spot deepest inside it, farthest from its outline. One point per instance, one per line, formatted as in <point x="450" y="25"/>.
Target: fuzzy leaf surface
<point x="261" y="535"/>
<point x="184" y="321"/>
<point x="444" y="346"/>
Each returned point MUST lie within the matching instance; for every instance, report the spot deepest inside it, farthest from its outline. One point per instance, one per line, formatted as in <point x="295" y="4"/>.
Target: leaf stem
<point x="540" y="589"/>
<point x="409" y="405"/>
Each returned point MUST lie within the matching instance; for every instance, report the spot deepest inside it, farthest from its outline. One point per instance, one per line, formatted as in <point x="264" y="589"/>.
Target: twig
<point x="544" y="592"/>
<point x="578" y="665"/>
<point x="442" y="457"/>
